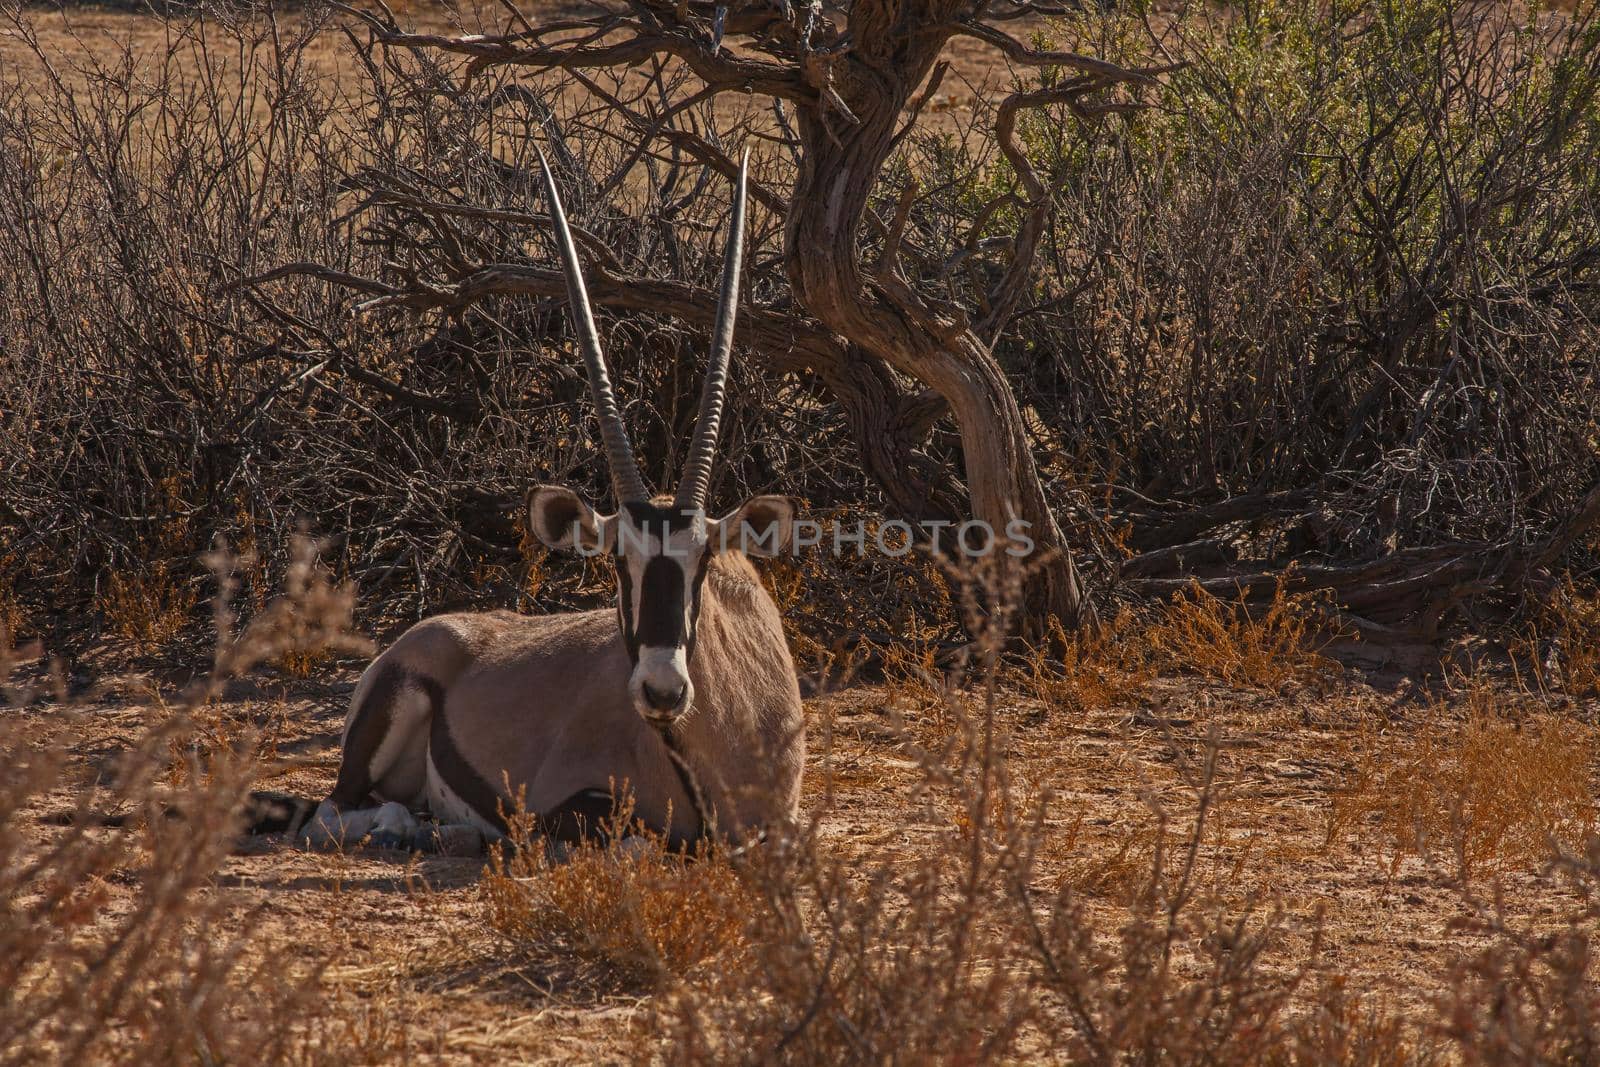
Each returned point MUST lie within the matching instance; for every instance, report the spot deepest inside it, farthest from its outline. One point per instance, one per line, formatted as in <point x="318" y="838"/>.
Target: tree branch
<point x="698" y="147"/>
<point x="717" y="67"/>
<point x="1018" y="52"/>
<point x="1005" y="295"/>
<point x="887" y="424"/>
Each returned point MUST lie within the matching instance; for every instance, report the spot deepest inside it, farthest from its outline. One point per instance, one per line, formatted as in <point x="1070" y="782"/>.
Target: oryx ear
<point x="560" y="519"/>
<point x="761" y="526"/>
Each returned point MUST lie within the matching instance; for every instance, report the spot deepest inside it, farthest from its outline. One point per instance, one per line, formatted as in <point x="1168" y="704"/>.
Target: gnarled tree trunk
<point x="896" y="47"/>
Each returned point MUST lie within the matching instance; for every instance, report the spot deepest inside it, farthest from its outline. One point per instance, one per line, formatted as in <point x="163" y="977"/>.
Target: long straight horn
<point x="697" y="472"/>
<point x="625" y="477"/>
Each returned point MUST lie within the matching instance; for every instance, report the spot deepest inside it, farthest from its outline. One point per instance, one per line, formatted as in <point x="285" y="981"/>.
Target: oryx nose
<point x="668" y="698"/>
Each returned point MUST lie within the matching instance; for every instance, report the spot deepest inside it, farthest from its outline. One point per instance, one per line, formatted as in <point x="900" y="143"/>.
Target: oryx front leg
<point x="384" y="759"/>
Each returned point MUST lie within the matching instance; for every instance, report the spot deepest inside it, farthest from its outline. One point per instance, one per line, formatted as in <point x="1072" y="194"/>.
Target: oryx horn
<point x="697" y="472"/>
<point x="625" y="478"/>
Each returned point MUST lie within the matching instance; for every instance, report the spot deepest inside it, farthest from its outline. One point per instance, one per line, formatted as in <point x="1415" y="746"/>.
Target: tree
<point x="845" y="88"/>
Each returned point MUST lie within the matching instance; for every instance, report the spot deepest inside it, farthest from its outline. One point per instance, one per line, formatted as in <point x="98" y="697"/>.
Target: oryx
<point x="684" y="695"/>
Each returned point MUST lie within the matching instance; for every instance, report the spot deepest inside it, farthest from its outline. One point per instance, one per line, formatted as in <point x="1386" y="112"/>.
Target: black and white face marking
<point x="662" y="552"/>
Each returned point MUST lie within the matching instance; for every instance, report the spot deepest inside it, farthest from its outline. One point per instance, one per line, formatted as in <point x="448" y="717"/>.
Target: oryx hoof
<point x="393" y="826"/>
<point x="324" y="831"/>
<point x="394" y="818"/>
<point x="389" y="839"/>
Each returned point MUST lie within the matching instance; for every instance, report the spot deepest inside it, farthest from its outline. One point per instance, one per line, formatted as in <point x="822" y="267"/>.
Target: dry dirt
<point x="407" y="935"/>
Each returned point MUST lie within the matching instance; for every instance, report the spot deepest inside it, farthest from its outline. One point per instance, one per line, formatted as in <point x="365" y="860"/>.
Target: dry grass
<point x="149" y="607"/>
<point x="155" y="982"/>
<point x="1232" y="643"/>
<point x="91" y="975"/>
<point x="1562" y="644"/>
<point x="1241" y="645"/>
<point x="1481" y="788"/>
<point x="13" y="620"/>
<point x="1077" y="672"/>
<point x="637" y="916"/>
<point x="153" y="600"/>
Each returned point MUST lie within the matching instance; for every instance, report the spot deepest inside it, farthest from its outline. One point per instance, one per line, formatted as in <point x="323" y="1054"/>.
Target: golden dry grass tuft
<point x="13" y="620"/>
<point x="1090" y="669"/>
<point x="1232" y="642"/>
<point x="149" y="607"/>
<point x="152" y="602"/>
<point x="1562" y="644"/>
<point x="636" y="914"/>
<point x="1241" y="644"/>
<point x="1476" y="786"/>
<point x="1119" y="873"/>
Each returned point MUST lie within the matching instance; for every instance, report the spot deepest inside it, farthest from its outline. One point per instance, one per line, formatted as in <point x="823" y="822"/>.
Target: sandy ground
<point x="410" y="931"/>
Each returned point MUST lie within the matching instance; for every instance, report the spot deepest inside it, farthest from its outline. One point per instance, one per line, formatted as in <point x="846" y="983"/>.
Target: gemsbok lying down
<point x="685" y="696"/>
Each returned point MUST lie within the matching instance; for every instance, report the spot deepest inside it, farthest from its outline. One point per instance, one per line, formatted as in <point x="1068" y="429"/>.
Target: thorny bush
<point x="1332" y="301"/>
<point x="164" y="979"/>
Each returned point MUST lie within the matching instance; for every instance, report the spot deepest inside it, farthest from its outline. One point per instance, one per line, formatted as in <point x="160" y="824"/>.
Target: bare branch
<point x="1018" y="52"/>
<point x="1005" y="295"/>
<point x="716" y="67"/>
<point x="889" y="258"/>
<point x="704" y="151"/>
<point x="915" y="111"/>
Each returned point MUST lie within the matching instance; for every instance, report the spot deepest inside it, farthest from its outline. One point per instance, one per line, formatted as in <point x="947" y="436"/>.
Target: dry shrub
<point x="1241" y="644"/>
<point x="1341" y="1027"/>
<point x="162" y="980"/>
<point x="955" y="948"/>
<point x="149" y="607"/>
<point x="1263" y="327"/>
<point x="907" y="959"/>
<point x="1107" y="665"/>
<point x="1186" y="978"/>
<point x="1119" y="873"/>
<point x="1264" y="336"/>
<point x="866" y="605"/>
<point x="13" y="620"/>
<point x="1486" y="790"/>
<point x="913" y="679"/>
<point x="956" y="954"/>
<point x="312" y="618"/>
<point x="636" y="914"/>
<point x="152" y="600"/>
<point x="1532" y="995"/>
<point x="1562" y="644"/>
<point x="300" y="664"/>
<point x="159" y="982"/>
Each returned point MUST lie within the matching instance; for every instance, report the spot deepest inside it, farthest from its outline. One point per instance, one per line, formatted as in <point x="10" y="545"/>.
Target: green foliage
<point x="1363" y="86"/>
<point x="1347" y="247"/>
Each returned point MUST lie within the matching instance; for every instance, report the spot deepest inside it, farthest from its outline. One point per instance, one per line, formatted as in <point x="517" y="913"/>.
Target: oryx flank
<point x="684" y="696"/>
